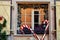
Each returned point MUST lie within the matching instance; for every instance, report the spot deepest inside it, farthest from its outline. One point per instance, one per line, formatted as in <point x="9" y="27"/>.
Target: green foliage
<point x="0" y="27"/>
<point x="3" y="35"/>
<point x="4" y="23"/>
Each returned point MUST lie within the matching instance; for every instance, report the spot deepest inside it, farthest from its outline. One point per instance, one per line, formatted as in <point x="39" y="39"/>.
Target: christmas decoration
<point x="3" y="34"/>
<point x="26" y="26"/>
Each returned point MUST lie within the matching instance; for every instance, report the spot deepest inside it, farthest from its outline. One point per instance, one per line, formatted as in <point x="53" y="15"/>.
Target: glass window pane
<point x="28" y="18"/>
<point x="22" y="18"/>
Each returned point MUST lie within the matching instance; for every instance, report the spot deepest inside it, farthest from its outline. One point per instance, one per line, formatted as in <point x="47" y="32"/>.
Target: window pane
<point x="22" y="18"/>
<point x="28" y="18"/>
<point x="28" y="11"/>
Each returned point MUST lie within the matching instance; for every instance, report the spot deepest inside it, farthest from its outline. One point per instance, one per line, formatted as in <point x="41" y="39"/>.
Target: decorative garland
<point x="2" y="25"/>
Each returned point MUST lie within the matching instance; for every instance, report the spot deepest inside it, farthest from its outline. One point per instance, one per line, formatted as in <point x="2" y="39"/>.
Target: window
<point x="32" y="15"/>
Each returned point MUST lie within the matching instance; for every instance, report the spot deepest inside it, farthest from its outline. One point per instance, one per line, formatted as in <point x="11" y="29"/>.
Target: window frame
<point x="32" y="18"/>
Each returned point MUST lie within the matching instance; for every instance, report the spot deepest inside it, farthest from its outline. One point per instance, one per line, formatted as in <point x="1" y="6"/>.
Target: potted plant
<point x="2" y="25"/>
